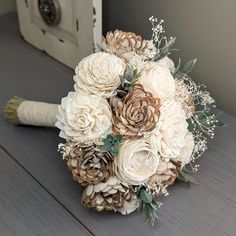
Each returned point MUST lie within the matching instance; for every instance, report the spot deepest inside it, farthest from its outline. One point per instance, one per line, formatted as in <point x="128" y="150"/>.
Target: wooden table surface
<point x="37" y="193"/>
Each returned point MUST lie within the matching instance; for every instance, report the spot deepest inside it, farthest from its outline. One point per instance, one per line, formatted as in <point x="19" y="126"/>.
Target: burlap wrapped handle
<point x="19" y="111"/>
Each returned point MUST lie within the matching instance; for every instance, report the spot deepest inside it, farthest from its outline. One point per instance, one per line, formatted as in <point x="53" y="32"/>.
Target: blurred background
<point x="205" y="29"/>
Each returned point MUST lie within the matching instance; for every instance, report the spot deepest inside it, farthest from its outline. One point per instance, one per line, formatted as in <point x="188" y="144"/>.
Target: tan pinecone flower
<point x="110" y="195"/>
<point x="120" y="42"/>
<point x="137" y="113"/>
<point x="184" y="96"/>
<point x="89" y="165"/>
<point x="165" y="176"/>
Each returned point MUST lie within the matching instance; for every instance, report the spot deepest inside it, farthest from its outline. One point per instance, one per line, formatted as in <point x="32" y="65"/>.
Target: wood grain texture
<point x="27" y="209"/>
<point x="205" y="209"/>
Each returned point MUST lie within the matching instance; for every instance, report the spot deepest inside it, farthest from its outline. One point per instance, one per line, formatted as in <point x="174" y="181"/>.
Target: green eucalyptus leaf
<point x="148" y="205"/>
<point x="145" y="197"/>
<point x="168" y="46"/>
<point x="129" y="73"/>
<point x="177" y="67"/>
<point x="186" y="69"/>
<point x="165" y="50"/>
<point x="127" y="80"/>
<point x="185" y="176"/>
<point x="150" y="214"/>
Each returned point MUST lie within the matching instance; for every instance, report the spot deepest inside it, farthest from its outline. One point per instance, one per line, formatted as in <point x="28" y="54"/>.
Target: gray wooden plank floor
<point x="27" y="209"/>
<point x="205" y="209"/>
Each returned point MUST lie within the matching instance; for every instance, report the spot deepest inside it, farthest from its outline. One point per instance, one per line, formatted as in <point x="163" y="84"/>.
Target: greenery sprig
<point x="127" y="79"/>
<point x="111" y="144"/>
<point x="148" y="205"/>
<point x="165" y="50"/>
<point x="187" y="177"/>
<point x="183" y="70"/>
<point x="203" y="121"/>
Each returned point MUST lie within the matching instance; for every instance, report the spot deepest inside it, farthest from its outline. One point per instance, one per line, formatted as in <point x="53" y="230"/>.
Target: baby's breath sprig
<point x="161" y="42"/>
<point x="65" y="148"/>
<point x="157" y="32"/>
<point x="202" y="123"/>
<point x="203" y="120"/>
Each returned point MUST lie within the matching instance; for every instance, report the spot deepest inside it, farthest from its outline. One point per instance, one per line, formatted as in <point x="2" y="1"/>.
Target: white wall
<point x="7" y="6"/>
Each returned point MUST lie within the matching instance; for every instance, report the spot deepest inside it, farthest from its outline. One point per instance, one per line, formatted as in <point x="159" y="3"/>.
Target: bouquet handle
<point x="24" y="112"/>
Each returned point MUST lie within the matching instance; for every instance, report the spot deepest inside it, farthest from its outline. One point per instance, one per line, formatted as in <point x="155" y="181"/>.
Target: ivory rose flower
<point x="172" y="128"/>
<point x="99" y="74"/>
<point x="136" y="162"/>
<point x="83" y="118"/>
<point x="187" y="150"/>
<point x="158" y="80"/>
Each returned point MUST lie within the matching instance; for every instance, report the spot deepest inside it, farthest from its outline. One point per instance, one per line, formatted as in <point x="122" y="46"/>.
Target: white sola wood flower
<point x="136" y="162"/>
<point x="83" y="118"/>
<point x="99" y="74"/>
<point x="187" y="150"/>
<point x="158" y="80"/>
<point x="170" y="134"/>
<point x="167" y="62"/>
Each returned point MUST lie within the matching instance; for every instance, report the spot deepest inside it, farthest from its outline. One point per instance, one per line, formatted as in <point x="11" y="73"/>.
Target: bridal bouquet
<point x="131" y="125"/>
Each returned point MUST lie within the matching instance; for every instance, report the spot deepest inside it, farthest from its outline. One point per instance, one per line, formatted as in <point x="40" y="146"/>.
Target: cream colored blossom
<point x="136" y="162"/>
<point x="158" y="80"/>
<point x="169" y="135"/>
<point x="186" y="152"/>
<point x="83" y="118"/>
<point x="99" y="74"/>
<point x="167" y="62"/>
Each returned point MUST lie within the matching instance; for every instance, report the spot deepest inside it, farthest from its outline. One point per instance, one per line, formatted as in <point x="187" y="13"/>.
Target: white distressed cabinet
<point x="67" y="30"/>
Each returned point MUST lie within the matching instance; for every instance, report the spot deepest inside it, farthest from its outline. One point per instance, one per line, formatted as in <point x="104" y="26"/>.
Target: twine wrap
<point x="20" y="111"/>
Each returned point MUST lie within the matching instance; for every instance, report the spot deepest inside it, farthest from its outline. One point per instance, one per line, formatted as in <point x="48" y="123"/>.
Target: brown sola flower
<point x="165" y="176"/>
<point x="120" y="42"/>
<point x="136" y="113"/>
<point x="89" y="165"/>
<point x="110" y="195"/>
